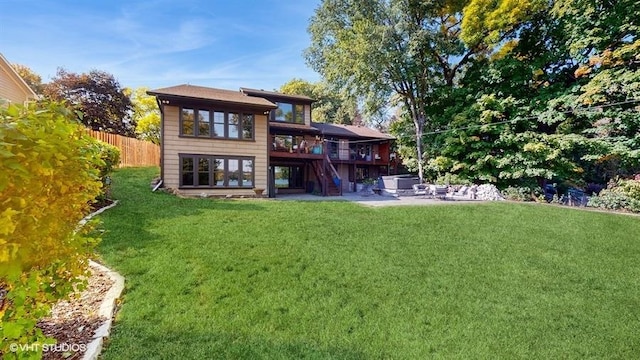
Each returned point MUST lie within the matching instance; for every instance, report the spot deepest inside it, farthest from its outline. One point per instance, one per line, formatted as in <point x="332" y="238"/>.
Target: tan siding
<point x="343" y="171"/>
<point x="175" y="145"/>
<point x="10" y="88"/>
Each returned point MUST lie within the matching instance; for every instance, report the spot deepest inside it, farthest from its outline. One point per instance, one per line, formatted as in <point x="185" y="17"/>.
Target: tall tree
<point x="330" y="105"/>
<point x="559" y="100"/>
<point x="146" y="114"/>
<point x="31" y="78"/>
<point x="98" y="96"/>
<point x="403" y="52"/>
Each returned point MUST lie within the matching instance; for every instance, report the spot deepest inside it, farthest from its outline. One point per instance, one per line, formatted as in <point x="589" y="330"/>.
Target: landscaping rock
<point x="488" y="192"/>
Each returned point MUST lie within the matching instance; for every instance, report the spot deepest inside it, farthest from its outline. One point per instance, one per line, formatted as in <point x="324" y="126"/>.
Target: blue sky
<point x="159" y="43"/>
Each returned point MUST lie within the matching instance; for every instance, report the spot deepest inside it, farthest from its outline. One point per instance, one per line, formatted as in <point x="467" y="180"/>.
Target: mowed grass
<point x="261" y="279"/>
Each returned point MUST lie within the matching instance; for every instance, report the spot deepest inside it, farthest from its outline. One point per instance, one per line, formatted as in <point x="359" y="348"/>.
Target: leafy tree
<point x="145" y="114"/>
<point x="31" y="78"/>
<point x="407" y="53"/>
<point x="298" y="86"/>
<point x="330" y="106"/>
<point x="98" y="96"/>
<point x="529" y="111"/>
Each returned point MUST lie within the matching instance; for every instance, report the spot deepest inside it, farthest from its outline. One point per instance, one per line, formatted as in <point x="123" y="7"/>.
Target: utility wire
<point x="632" y="101"/>
<point x="356" y="141"/>
<point x="532" y="117"/>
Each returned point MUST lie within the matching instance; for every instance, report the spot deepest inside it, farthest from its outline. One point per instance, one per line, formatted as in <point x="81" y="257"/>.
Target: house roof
<point x="8" y="73"/>
<point x="350" y="131"/>
<point x="187" y="91"/>
<point x="290" y="126"/>
<point x="274" y="94"/>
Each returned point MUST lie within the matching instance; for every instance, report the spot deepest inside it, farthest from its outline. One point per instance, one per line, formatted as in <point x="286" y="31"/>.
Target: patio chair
<point x="439" y="191"/>
<point x="462" y="191"/>
<point x="420" y="189"/>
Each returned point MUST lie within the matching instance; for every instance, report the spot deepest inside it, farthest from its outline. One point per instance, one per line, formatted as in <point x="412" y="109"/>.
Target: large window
<point x="209" y="123"/>
<point x="204" y="123"/>
<point x="287" y="112"/>
<point x="212" y="171"/>
<point x="286" y="142"/>
<point x="362" y="172"/>
<point x="188" y="119"/>
<point x="289" y="177"/>
<point x="360" y="152"/>
<point x="333" y="148"/>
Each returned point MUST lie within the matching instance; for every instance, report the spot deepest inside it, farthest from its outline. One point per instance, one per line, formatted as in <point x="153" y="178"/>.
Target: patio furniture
<point x="439" y="191"/>
<point x="462" y="191"/>
<point x="472" y="192"/>
<point x="421" y="189"/>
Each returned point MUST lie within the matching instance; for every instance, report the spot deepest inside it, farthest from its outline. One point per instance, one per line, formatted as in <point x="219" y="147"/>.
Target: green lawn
<point x="255" y="279"/>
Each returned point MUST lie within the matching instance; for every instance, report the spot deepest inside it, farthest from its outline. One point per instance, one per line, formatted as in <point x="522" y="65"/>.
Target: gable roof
<point x="274" y="94"/>
<point x="350" y="131"/>
<point x="186" y="91"/>
<point x="10" y="80"/>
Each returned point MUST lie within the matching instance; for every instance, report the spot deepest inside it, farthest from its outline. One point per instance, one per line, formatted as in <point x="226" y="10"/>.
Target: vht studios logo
<point x="63" y="347"/>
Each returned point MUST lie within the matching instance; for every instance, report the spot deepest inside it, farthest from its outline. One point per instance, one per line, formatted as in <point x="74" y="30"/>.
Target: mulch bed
<point x="99" y="204"/>
<point x="72" y="323"/>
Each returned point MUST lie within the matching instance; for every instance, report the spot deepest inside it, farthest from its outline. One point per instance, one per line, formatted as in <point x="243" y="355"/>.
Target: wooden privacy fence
<point x="133" y="152"/>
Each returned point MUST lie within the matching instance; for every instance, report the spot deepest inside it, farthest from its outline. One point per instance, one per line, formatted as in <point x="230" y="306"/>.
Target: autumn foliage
<point x="49" y="174"/>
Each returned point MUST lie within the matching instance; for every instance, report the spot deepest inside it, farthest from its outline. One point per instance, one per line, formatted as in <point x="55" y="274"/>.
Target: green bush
<point x="609" y="200"/>
<point x="621" y="195"/>
<point x="522" y="193"/>
<point x="48" y="176"/>
<point x="452" y="179"/>
<point x="110" y="156"/>
<point x="630" y="188"/>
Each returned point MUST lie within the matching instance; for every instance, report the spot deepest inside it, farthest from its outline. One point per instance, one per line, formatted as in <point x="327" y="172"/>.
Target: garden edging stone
<point x="107" y="310"/>
<point x="108" y="305"/>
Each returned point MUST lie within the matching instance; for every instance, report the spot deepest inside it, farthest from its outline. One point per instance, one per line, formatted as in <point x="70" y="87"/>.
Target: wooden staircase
<point x="332" y="188"/>
<point x="327" y="176"/>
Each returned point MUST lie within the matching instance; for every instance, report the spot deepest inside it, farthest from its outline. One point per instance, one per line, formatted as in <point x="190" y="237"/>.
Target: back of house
<point x="238" y="143"/>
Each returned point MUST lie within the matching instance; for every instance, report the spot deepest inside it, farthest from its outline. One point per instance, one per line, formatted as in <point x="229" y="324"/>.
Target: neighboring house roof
<point x="12" y="86"/>
<point x="350" y="131"/>
<point x="274" y="94"/>
<point x="222" y="96"/>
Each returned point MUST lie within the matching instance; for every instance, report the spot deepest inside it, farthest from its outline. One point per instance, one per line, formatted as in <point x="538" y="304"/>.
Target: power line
<point x="533" y="117"/>
<point x="356" y="141"/>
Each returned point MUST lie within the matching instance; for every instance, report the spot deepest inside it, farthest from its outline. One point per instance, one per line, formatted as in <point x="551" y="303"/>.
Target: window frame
<point x="243" y="116"/>
<point x="295" y="115"/>
<point x="295" y="174"/>
<point x="226" y="173"/>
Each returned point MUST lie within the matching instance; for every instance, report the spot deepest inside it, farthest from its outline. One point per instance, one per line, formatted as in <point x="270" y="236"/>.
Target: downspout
<point x="325" y="185"/>
<point x="270" y="189"/>
<point x="161" y="107"/>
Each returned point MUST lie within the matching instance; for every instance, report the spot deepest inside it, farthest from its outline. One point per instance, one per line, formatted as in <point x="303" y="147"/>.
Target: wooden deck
<point x="294" y="155"/>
